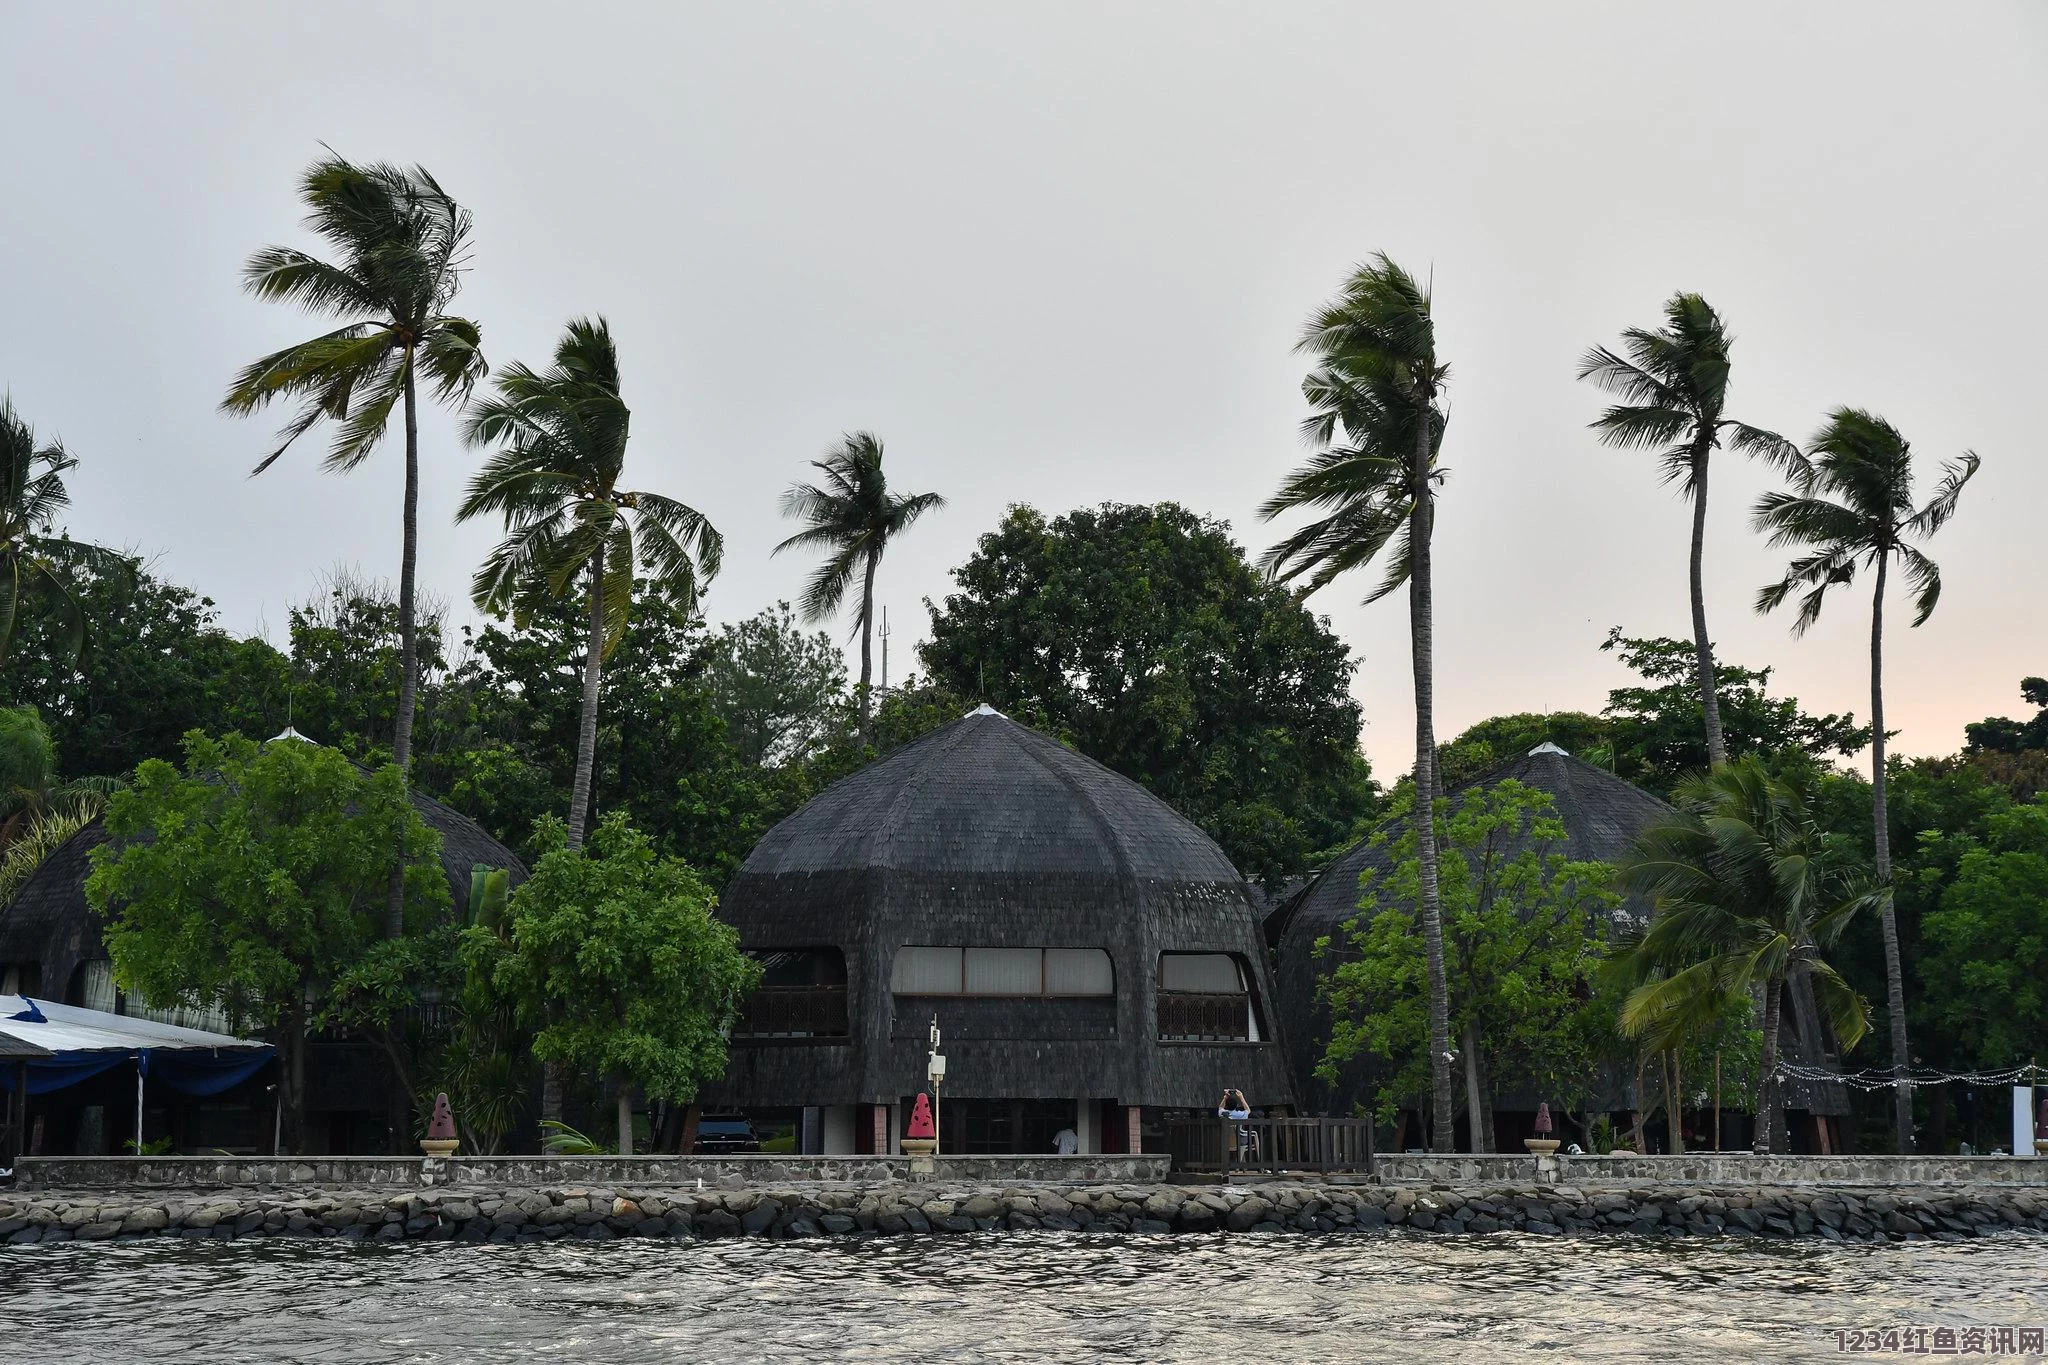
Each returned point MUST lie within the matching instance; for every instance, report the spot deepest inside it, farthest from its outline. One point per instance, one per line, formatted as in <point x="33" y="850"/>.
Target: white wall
<point x="837" y="1128"/>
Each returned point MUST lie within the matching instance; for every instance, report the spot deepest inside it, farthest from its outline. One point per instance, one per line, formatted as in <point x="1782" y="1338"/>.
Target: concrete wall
<point x="1724" y="1168"/>
<point x="99" y="1173"/>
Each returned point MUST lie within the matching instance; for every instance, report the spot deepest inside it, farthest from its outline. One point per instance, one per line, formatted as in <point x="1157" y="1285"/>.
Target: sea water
<point x="1009" y="1296"/>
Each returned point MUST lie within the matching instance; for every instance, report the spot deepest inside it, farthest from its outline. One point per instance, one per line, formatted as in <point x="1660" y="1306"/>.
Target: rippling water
<point x="999" y="1297"/>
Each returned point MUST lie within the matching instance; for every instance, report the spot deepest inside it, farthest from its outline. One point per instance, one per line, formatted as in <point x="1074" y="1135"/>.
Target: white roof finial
<point x="986" y="710"/>
<point x="1546" y="747"/>
<point x="290" y="733"/>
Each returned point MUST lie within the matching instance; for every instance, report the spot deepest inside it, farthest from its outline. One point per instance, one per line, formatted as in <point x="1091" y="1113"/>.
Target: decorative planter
<point x="920" y="1146"/>
<point x="440" y="1147"/>
<point x="1540" y="1146"/>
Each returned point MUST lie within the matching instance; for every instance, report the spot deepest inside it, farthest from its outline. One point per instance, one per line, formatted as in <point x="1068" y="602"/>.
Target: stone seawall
<point x="1721" y="1168"/>
<point x="207" y="1173"/>
<point x="821" y="1210"/>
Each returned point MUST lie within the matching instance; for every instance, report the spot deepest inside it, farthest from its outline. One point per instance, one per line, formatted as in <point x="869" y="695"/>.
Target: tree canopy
<point x="614" y="960"/>
<point x="254" y="880"/>
<point x="1144" y="637"/>
<point x="1524" y="931"/>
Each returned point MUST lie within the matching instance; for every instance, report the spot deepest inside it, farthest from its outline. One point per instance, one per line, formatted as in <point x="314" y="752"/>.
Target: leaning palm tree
<point x="37" y="564"/>
<point x="1673" y="383"/>
<point x="554" y="477"/>
<point x="1745" y="892"/>
<point x="852" y="517"/>
<point x="1851" y="506"/>
<point x="401" y="245"/>
<point x="1376" y="382"/>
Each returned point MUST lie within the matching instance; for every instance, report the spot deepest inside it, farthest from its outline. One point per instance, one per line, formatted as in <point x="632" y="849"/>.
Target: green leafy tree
<point x="1655" y="735"/>
<point x="252" y="880"/>
<point x="1143" y="637"/>
<point x="852" y="516"/>
<point x="1673" y="387"/>
<point x="618" y="965"/>
<point x="39" y="566"/>
<point x="560" y="439"/>
<point x="780" y="692"/>
<point x="30" y="789"/>
<point x="1378" y="424"/>
<point x="402" y="244"/>
<point x="2001" y="735"/>
<point x="1524" y="926"/>
<point x="1746" y="890"/>
<point x="1500" y="739"/>
<point x="160" y="665"/>
<point x="1983" y="965"/>
<point x="1850" y="507"/>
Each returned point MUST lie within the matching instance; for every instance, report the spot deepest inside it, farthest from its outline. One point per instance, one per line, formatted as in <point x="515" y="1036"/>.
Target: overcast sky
<point x="1059" y="254"/>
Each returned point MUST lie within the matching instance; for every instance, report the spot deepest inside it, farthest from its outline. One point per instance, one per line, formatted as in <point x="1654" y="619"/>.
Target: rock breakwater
<point x="601" y="1213"/>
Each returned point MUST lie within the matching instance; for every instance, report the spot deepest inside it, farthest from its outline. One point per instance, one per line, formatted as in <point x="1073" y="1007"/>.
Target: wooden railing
<point x="794" y="1012"/>
<point x="1195" y="1016"/>
<point x="1273" y="1144"/>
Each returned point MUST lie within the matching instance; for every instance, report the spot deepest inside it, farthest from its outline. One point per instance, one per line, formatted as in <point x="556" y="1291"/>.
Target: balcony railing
<point x="774" y="1012"/>
<point x="1270" y="1144"/>
<point x="1197" y="1016"/>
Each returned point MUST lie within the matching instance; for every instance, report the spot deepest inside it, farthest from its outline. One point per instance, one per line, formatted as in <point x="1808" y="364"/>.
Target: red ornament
<point x="1543" y="1117"/>
<point x="921" y="1118"/>
<point x="442" y="1126"/>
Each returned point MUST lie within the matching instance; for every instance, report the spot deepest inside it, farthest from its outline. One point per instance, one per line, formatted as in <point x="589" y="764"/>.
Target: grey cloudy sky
<point x="1058" y="254"/>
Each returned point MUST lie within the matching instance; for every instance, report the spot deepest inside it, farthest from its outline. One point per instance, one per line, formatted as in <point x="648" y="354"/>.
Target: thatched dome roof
<point x="986" y="833"/>
<point x="985" y="796"/>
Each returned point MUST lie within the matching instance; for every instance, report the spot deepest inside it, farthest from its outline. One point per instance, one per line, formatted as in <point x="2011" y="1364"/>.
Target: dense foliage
<point x="1144" y="637"/>
<point x="613" y="959"/>
<point x="1524" y="930"/>
<point x="253" y="880"/>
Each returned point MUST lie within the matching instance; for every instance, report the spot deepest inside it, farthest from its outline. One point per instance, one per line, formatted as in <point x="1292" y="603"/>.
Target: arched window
<point x="1042" y="972"/>
<point x="802" y="995"/>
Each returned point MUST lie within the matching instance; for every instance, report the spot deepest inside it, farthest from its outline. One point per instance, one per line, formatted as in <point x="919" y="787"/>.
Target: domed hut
<point x="52" y="945"/>
<point x="1602" y="815"/>
<point x="1091" y="958"/>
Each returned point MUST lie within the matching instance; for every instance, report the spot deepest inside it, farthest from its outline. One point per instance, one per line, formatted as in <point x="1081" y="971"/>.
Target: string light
<point x="1892" y="1077"/>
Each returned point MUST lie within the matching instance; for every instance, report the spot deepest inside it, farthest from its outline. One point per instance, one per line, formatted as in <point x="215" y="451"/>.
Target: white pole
<point x="138" y="1106"/>
<point x="2023" y="1120"/>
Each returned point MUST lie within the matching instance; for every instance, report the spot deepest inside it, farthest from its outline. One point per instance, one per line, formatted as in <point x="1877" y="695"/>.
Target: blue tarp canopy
<point x="81" y="1043"/>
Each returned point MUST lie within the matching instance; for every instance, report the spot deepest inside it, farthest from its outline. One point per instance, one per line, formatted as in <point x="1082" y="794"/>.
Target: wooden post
<point x="1134" y="1118"/>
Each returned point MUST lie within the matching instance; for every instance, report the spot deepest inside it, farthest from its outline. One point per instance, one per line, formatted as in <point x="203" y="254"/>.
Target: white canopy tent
<point x="77" y="1044"/>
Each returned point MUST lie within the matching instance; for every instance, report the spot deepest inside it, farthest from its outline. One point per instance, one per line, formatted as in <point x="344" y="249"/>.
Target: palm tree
<point x="1673" y="384"/>
<point x="1746" y="891"/>
<point x="35" y="562"/>
<point x="853" y="517"/>
<point x="1376" y="381"/>
<point x="402" y="243"/>
<point x="1851" y="506"/>
<point x="561" y="438"/>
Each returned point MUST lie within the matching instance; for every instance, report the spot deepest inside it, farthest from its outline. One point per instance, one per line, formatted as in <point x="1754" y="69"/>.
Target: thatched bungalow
<point x="52" y="946"/>
<point x="1602" y="815"/>
<point x="1092" y="958"/>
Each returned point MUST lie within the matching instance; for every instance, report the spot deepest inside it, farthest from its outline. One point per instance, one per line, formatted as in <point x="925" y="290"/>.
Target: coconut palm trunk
<point x="867" y="633"/>
<point x="1421" y="627"/>
<point x="625" y="1102"/>
<point x="1703" y="648"/>
<point x="408" y="639"/>
<point x="1894" y="976"/>
<point x="1768" y="1090"/>
<point x="586" y="730"/>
